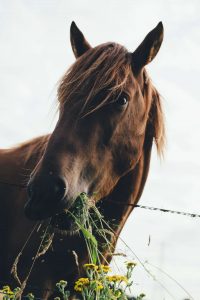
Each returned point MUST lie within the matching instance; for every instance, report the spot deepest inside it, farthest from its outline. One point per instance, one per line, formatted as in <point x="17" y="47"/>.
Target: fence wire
<point x="187" y="214"/>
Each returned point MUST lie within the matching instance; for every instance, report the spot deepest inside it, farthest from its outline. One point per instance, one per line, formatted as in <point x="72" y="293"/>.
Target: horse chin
<point x="64" y="225"/>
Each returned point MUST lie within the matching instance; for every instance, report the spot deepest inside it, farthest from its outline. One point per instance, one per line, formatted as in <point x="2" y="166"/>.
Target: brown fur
<point x="114" y="160"/>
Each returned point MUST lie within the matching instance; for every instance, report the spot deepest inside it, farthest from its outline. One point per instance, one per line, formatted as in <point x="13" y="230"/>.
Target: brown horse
<point x="109" y="115"/>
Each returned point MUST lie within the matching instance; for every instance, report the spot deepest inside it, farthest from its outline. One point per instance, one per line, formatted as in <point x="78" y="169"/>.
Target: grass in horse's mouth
<point x="84" y="217"/>
<point x="69" y="220"/>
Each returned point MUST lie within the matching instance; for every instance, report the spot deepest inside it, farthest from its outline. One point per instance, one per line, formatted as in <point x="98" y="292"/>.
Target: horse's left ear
<point x="148" y="49"/>
<point x="78" y="41"/>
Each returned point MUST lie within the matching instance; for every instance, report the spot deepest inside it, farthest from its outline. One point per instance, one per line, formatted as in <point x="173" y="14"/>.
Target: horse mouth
<point x="64" y="223"/>
<point x="65" y="219"/>
<point x="72" y="220"/>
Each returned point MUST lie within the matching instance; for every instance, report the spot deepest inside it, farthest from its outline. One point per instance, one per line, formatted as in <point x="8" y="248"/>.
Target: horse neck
<point x="17" y="163"/>
<point x="118" y="205"/>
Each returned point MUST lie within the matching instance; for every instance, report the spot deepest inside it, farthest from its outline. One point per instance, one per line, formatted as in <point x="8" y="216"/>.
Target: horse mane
<point x="159" y="125"/>
<point x="106" y="68"/>
<point x="32" y="148"/>
<point x="156" y="120"/>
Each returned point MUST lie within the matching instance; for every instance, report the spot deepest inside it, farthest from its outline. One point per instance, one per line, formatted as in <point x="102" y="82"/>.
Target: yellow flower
<point x="90" y="266"/>
<point x="97" y="285"/>
<point x="80" y="283"/>
<point x="103" y="268"/>
<point x="130" y="264"/>
<point x="78" y="288"/>
<point x="109" y="278"/>
<point x="6" y="290"/>
<point x="115" y="278"/>
<point x="83" y="281"/>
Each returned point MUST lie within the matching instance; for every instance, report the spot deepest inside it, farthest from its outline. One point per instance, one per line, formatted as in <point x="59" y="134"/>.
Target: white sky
<point x="35" y="52"/>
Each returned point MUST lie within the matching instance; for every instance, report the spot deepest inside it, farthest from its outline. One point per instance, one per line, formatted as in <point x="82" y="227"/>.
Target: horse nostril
<point x="59" y="188"/>
<point x="47" y="188"/>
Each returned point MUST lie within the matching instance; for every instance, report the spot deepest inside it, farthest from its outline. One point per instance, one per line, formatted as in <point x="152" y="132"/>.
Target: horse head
<point x="107" y="108"/>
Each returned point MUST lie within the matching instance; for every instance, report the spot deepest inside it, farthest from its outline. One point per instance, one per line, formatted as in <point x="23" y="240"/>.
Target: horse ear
<point x="148" y="49"/>
<point x="78" y="41"/>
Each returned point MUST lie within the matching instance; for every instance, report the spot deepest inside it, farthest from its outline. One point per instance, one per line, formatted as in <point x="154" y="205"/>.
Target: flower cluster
<point x="104" y="269"/>
<point x="96" y="285"/>
<point x="94" y="281"/>
<point x="99" y="269"/>
<point x="81" y="283"/>
<point x="9" y="294"/>
<point x="61" y="286"/>
<point x="117" y="278"/>
<point x="130" y="265"/>
<point x="99" y="285"/>
<point x="90" y="267"/>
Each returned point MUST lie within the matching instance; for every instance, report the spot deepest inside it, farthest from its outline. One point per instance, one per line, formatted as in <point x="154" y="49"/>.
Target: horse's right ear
<point x="78" y="41"/>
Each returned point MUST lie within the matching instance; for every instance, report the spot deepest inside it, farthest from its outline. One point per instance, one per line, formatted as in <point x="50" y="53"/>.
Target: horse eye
<point x="122" y="101"/>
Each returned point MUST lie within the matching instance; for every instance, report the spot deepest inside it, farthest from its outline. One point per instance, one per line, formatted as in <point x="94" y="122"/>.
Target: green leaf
<point x="88" y="235"/>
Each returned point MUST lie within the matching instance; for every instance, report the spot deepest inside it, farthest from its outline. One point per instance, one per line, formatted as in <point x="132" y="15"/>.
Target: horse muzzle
<point x="46" y="197"/>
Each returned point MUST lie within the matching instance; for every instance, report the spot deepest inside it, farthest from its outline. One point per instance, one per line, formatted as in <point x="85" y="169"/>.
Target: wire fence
<point x="187" y="214"/>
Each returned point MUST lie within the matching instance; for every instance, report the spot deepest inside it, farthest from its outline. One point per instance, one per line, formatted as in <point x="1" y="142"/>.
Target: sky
<point x="34" y="53"/>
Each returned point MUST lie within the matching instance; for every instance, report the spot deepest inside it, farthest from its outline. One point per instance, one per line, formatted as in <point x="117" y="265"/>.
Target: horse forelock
<point x="106" y="67"/>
